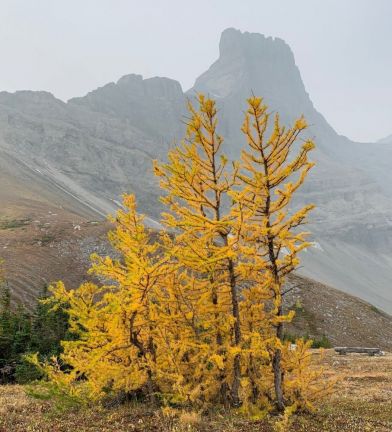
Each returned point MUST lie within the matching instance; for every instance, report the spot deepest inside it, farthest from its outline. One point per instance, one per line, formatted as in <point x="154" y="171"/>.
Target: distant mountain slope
<point x="46" y="246"/>
<point x="345" y="320"/>
<point x="93" y="155"/>
<point x="386" y="140"/>
<point x="24" y="190"/>
<point x="98" y="146"/>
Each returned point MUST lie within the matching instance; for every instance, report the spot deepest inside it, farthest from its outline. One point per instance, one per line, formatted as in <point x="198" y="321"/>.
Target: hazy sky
<point x="68" y="47"/>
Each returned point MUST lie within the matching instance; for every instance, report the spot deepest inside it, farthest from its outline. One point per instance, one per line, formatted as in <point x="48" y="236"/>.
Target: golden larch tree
<point x="197" y="183"/>
<point x="116" y="321"/>
<point x="195" y="313"/>
<point x="269" y="176"/>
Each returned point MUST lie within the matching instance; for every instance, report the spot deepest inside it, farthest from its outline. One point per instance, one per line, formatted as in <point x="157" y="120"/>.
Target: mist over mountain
<point x="98" y="146"/>
<point x="386" y="140"/>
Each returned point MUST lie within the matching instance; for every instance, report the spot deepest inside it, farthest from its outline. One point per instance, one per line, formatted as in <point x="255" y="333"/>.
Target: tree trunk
<point x="235" y="399"/>
<point x="277" y="367"/>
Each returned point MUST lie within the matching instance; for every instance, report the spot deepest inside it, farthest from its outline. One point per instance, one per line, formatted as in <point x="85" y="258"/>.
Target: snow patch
<point x="317" y="245"/>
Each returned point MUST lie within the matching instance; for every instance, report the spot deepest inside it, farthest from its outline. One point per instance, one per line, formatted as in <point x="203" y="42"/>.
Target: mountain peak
<point x="233" y="42"/>
<point x="130" y="79"/>
<point x="155" y="86"/>
<point x="28" y="95"/>
<point x="252" y="62"/>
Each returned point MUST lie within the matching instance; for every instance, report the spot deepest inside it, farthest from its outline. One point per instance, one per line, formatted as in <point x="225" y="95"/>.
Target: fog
<point x="71" y="47"/>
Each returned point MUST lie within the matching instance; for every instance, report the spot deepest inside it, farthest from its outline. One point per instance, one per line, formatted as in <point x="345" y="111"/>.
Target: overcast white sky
<point x="68" y="47"/>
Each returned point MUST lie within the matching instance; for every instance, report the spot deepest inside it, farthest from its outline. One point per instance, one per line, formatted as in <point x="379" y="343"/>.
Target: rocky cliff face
<point x="152" y="105"/>
<point x="101" y="145"/>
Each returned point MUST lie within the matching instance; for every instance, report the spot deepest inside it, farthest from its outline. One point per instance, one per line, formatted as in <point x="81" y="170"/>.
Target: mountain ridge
<point x="100" y="145"/>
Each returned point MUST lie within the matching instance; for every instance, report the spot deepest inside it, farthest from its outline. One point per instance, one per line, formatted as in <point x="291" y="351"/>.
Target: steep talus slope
<point x="25" y="190"/>
<point x="345" y="320"/>
<point x="98" y="146"/>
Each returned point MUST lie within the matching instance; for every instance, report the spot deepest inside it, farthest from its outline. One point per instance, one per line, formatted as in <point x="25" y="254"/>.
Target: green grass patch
<point x="45" y="239"/>
<point x="317" y="342"/>
<point x="14" y="223"/>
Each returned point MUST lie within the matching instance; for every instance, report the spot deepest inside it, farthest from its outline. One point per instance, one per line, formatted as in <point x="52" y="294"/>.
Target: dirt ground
<point x="362" y="401"/>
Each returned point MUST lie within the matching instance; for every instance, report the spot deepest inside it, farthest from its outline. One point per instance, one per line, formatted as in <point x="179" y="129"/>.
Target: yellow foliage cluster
<point x="194" y="314"/>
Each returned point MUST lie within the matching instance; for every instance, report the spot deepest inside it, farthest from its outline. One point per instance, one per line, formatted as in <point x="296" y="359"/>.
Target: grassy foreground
<point x="362" y="402"/>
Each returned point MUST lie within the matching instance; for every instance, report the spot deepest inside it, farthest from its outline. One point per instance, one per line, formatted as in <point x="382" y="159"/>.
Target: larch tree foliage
<point x="197" y="183"/>
<point x="115" y="322"/>
<point x="195" y="314"/>
<point x="269" y="177"/>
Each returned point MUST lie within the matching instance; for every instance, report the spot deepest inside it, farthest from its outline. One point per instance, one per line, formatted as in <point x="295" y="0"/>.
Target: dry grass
<point x="362" y="402"/>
